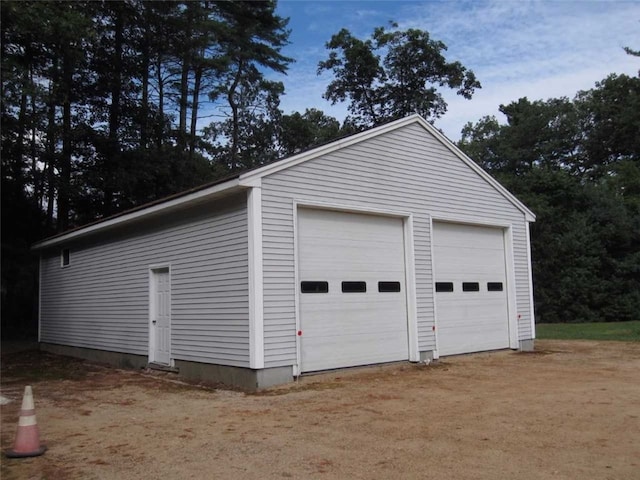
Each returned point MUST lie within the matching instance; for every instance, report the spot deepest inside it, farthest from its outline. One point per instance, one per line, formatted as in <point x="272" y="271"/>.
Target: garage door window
<point x="384" y="287"/>
<point x="470" y="287"/>
<point x="494" y="286"/>
<point x="354" y="287"/>
<point x="444" y="286"/>
<point x="314" y="287"/>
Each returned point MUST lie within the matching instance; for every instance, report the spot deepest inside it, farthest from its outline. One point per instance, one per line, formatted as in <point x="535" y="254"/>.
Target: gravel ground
<point x="570" y="410"/>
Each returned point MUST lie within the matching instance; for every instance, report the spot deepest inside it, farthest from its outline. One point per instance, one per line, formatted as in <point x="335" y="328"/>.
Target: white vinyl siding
<point x="101" y="300"/>
<point x="405" y="170"/>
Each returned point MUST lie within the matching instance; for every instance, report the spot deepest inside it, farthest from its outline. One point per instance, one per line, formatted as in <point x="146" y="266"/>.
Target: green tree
<point x="250" y="43"/>
<point x="610" y="125"/>
<point x="113" y="95"/>
<point x="584" y="248"/>
<point x="630" y="51"/>
<point x="44" y="72"/>
<point x="101" y="107"/>
<point x="392" y="74"/>
<point x="253" y="125"/>
<point x="576" y="164"/>
<point x="537" y="134"/>
<point x="300" y="132"/>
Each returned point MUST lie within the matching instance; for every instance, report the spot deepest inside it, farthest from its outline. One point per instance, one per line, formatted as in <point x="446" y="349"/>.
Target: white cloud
<point x="516" y="48"/>
<point x="543" y="53"/>
<point x="487" y="101"/>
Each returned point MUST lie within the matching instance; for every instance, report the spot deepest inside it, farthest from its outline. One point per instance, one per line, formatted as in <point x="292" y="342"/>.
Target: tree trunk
<point x="50" y="155"/>
<point x="64" y="190"/>
<point x="22" y="128"/>
<point x="35" y="173"/>
<point x="235" y="128"/>
<point x="184" y="80"/>
<point x="194" y="110"/>
<point x="113" y="152"/>
<point x="146" y="64"/>
<point x="184" y="101"/>
<point x="160" y="120"/>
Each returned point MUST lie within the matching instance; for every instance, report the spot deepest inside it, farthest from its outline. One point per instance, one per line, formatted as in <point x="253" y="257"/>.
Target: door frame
<point x="409" y="266"/>
<point x="507" y="236"/>
<point x="152" y="329"/>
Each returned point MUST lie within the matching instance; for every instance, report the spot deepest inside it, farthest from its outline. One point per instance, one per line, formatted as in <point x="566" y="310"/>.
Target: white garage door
<point x="471" y="288"/>
<point x="352" y="289"/>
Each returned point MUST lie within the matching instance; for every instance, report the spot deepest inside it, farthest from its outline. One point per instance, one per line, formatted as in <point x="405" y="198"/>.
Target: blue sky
<point x="516" y="48"/>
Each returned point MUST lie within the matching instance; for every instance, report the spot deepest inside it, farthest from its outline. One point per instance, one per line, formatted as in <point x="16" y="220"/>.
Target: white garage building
<point x="388" y="245"/>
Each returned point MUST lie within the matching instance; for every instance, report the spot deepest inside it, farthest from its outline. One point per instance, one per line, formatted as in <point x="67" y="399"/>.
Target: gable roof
<point x="250" y="178"/>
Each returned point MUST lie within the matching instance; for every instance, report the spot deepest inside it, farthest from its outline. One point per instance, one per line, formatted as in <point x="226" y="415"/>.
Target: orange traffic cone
<point x="27" y="442"/>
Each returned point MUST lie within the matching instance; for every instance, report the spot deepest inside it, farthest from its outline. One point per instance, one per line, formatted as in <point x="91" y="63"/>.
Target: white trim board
<point x="296" y="297"/>
<point x="256" y="284"/>
<point x="469" y="220"/>
<point x="529" y="266"/>
<point x="512" y="306"/>
<point x="344" y="207"/>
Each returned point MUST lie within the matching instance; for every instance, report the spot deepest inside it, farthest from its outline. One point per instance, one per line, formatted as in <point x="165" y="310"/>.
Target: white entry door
<point x="353" y="308"/>
<point x="160" y="316"/>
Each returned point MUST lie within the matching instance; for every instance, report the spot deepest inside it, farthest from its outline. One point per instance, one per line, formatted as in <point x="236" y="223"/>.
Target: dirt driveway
<point x="569" y="411"/>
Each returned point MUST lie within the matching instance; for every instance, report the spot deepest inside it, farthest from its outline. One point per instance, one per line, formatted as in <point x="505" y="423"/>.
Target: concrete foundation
<point x="244" y="378"/>
<point x="426" y="356"/>
<point x="527" y="345"/>
<point x="270" y="377"/>
<point x="117" y="359"/>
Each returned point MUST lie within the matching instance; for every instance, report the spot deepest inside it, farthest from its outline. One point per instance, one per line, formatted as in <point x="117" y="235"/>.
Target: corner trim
<point x="530" y="275"/>
<point x="256" y="286"/>
<point x="512" y="304"/>
<point x="296" y="298"/>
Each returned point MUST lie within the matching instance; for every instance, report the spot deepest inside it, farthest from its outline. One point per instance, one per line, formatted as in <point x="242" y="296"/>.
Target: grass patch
<point x="621" y="331"/>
